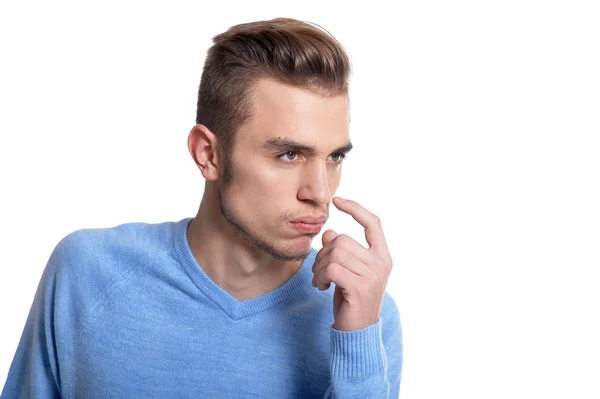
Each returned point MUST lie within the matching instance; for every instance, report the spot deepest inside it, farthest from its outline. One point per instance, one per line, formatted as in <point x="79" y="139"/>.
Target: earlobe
<point x="202" y="145"/>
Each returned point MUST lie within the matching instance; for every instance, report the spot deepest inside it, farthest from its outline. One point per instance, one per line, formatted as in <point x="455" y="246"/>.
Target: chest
<point x="177" y="353"/>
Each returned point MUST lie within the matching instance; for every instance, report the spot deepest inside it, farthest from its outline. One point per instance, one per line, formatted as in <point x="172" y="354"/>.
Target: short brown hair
<point x="293" y="52"/>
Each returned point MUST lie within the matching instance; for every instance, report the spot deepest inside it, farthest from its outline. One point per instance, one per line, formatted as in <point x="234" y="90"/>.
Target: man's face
<point x="273" y="183"/>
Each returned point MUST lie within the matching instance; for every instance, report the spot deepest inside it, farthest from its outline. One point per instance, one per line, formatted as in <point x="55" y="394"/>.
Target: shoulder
<point x="109" y="245"/>
<point x="86" y="262"/>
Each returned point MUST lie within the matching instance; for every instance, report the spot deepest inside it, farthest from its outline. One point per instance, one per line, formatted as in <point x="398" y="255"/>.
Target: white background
<point x="475" y="125"/>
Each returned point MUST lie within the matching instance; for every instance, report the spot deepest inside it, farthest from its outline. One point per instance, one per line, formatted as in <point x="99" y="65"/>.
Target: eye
<point x="338" y="157"/>
<point x="288" y="156"/>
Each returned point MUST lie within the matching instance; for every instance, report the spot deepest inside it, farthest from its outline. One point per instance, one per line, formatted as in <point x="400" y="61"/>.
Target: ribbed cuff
<point x="357" y="353"/>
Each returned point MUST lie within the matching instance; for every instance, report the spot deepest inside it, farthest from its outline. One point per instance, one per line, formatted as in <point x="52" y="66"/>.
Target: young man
<point x="221" y="305"/>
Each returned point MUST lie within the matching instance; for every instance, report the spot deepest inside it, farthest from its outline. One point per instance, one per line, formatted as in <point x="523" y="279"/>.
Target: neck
<point x="230" y="261"/>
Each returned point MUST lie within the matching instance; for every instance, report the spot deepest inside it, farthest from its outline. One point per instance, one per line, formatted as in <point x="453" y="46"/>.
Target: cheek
<point x="266" y="183"/>
<point x="262" y="183"/>
<point x="333" y="179"/>
<point x="273" y="184"/>
<point x="272" y="177"/>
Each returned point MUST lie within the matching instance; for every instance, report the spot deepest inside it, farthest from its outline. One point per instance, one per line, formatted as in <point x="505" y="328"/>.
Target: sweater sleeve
<point x="34" y="370"/>
<point x="368" y="363"/>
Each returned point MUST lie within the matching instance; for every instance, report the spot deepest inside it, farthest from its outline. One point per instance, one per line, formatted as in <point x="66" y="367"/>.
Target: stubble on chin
<point x="243" y="234"/>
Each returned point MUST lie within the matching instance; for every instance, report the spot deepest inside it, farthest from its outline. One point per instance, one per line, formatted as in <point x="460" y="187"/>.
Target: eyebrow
<point x="285" y="144"/>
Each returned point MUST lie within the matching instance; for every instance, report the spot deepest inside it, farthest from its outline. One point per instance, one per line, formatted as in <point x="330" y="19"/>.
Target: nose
<point x="314" y="185"/>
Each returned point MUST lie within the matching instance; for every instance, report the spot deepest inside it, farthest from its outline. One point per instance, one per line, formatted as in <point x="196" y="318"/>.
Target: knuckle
<point x="376" y="220"/>
<point x="338" y="255"/>
<point x="332" y="271"/>
<point x="344" y="238"/>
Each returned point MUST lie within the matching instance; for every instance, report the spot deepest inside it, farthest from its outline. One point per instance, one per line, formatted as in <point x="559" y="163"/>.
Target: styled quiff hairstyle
<point x="290" y="51"/>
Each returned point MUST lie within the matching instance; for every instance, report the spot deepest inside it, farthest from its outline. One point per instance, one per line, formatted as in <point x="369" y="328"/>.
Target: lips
<point x="311" y="220"/>
<point x="312" y="228"/>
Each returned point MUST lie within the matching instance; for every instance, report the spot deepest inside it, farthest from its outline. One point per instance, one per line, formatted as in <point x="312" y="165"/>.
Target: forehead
<point x="280" y="110"/>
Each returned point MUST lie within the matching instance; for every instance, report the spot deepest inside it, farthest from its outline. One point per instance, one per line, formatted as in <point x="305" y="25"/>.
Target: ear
<point x="203" y="147"/>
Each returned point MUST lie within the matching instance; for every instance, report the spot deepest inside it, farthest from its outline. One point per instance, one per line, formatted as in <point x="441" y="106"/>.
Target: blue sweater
<point x="127" y="312"/>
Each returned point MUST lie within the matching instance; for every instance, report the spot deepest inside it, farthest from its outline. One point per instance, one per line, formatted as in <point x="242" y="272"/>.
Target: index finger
<point x="371" y="223"/>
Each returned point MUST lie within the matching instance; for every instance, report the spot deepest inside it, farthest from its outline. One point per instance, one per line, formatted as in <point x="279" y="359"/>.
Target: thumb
<point x="327" y="236"/>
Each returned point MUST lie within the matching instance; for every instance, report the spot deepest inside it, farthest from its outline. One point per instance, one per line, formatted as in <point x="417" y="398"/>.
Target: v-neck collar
<point x="231" y="306"/>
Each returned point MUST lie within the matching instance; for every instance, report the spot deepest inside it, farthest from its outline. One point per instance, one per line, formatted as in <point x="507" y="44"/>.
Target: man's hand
<point x="360" y="274"/>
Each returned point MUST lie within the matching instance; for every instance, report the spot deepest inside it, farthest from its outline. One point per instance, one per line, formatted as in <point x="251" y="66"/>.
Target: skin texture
<point x="242" y="237"/>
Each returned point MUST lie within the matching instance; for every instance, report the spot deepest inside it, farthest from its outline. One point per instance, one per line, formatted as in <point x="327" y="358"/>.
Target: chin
<point x="297" y="249"/>
<point x="278" y="245"/>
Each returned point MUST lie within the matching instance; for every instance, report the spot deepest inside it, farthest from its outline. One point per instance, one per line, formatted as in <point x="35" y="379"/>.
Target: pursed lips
<point x="311" y="220"/>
